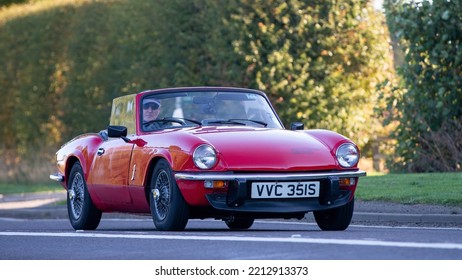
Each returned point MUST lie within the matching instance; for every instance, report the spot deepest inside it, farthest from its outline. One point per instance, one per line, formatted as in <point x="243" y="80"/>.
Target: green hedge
<point x="63" y="63"/>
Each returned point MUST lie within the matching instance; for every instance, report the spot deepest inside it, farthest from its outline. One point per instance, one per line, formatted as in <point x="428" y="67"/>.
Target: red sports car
<point x="207" y="152"/>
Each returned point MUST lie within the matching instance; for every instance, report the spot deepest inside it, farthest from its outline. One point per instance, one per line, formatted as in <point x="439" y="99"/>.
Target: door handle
<point x="100" y="151"/>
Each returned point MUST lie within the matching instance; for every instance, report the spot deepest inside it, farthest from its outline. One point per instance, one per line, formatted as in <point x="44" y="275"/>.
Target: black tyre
<point x="239" y="223"/>
<point x="169" y="210"/>
<point x="335" y="219"/>
<point x="83" y="214"/>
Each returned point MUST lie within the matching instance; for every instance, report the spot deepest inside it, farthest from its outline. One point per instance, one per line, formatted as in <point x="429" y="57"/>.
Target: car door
<point x="109" y="173"/>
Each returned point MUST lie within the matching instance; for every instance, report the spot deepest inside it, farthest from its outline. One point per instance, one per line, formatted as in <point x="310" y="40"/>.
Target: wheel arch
<point x="69" y="164"/>
<point x="149" y="170"/>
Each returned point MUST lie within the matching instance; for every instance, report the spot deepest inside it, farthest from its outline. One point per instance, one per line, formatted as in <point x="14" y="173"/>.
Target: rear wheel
<point x="335" y="219"/>
<point x="83" y="214"/>
<point x="239" y="223"/>
<point x="169" y="210"/>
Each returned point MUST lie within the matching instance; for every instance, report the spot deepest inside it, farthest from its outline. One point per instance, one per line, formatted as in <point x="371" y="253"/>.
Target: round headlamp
<point x="205" y="157"/>
<point x="347" y="155"/>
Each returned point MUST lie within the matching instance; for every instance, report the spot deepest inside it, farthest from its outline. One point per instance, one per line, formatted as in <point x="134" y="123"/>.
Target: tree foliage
<point x="428" y="104"/>
<point x="64" y="61"/>
<point x="4" y="3"/>
<point x="321" y="61"/>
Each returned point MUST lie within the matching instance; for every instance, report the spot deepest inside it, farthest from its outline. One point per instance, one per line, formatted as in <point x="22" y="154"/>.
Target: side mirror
<point x="116" y="131"/>
<point x="297" y="126"/>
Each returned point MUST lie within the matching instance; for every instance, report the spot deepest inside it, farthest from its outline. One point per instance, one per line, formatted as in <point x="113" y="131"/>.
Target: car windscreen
<point x="207" y="108"/>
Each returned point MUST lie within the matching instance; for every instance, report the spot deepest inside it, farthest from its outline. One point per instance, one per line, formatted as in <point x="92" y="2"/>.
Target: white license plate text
<point x="285" y="189"/>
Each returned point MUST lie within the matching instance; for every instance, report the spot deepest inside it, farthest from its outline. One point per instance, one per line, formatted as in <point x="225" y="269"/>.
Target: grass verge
<point x="418" y="188"/>
<point x="12" y="188"/>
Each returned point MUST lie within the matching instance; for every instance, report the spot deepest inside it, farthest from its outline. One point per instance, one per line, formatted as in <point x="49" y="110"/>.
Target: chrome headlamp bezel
<point x="347" y="155"/>
<point x="205" y="157"/>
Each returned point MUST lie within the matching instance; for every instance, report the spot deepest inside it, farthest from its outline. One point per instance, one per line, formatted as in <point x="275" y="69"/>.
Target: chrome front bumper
<point x="229" y="176"/>
<point x="57" y="177"/>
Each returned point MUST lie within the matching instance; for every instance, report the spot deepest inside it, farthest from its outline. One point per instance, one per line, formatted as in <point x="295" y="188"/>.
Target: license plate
<point x="285" y="189"/>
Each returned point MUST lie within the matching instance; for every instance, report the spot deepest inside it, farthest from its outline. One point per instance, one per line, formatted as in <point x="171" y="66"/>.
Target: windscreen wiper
<point x="181" y="121"/>
<point x="208" y="122"/>
<point x="234" y="121"/>
<point x="250" y="120"/>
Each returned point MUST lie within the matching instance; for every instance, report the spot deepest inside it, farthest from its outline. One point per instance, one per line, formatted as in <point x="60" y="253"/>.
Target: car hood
<point x="247" y="148"/>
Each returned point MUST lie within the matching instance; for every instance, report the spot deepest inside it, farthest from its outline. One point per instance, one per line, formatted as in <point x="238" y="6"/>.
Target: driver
<point x="151" y="109"/>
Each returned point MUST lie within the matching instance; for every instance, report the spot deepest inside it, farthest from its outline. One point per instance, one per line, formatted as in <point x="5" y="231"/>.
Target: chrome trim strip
<point x="57" y="177"/>
<point x="263" y="176"/>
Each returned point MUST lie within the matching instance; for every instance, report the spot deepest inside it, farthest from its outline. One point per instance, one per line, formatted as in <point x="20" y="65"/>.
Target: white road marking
<point x="303" y="240"/>
<point x="256" y="222"/>
<point x="350" y="226"/>
<point x="364" y="226"/>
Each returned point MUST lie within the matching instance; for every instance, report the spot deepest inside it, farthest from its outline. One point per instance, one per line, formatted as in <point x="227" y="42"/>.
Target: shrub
<point x="430" y="106"/>
<point x="440" y="150"/>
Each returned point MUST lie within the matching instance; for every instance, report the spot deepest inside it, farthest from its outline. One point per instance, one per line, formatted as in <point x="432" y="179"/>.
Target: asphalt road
<point x="35" y="227"/>
<point x="136" y="238"/>
<point x="399" y="239"/>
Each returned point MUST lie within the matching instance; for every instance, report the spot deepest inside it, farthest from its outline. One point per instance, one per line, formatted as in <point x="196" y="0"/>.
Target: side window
<point x="123" y="112"/>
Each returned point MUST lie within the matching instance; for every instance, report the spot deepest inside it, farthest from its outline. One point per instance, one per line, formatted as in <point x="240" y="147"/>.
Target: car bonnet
<point x="247" y="149"/>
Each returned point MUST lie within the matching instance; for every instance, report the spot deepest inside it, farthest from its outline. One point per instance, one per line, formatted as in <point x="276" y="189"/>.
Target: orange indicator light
<point x="219" y="184"/>
<point x="214" y="184"/>
<point x="347" y="181"/>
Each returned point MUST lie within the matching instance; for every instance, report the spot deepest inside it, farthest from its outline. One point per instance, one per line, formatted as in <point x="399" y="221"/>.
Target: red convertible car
<point x="207" y="152"/>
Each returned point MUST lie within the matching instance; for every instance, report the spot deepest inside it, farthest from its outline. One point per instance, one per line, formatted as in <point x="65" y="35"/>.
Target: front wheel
<point x="169" y="210"/>
<point x="335" y="219"/>
<point x="83" y="214"/>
